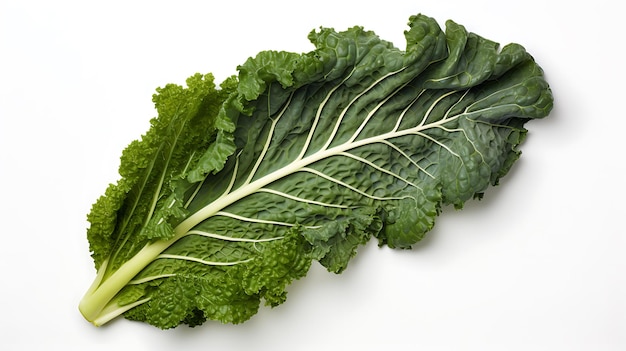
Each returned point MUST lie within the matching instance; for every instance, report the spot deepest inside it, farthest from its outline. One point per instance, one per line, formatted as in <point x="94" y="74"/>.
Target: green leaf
<point x="233" y="192"/>
<point x="148" y="201"/>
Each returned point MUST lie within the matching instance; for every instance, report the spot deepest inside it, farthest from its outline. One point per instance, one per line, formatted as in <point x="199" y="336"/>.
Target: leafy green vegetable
<point x="236" y="189"/>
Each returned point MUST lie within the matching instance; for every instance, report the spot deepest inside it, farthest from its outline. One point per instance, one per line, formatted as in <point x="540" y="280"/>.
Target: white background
<point x="539" y="264"/>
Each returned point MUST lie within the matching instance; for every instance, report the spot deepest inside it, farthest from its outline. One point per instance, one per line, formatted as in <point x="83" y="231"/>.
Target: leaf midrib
<point x="295" y="166"/>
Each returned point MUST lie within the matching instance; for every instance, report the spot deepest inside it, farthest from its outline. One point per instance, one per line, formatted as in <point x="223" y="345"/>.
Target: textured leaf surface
<point x="306" y="158"/>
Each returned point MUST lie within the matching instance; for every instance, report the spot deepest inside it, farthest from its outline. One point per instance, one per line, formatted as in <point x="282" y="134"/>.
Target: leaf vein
<point x="300" y="199"/>
<point x="199" y="260"/>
